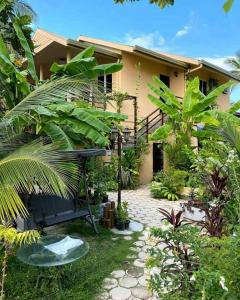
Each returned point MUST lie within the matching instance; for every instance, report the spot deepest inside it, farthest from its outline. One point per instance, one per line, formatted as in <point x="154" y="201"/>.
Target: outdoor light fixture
<point x="127" y="133"/>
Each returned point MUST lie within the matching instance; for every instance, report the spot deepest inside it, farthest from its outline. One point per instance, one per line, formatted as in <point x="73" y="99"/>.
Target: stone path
<point x="130" y="283"/>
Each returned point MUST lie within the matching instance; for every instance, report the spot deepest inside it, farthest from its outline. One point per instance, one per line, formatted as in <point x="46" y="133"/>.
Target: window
<point x="203" y="86"/>
<point x="165" y="79"/>
<point x="105" y="83"/>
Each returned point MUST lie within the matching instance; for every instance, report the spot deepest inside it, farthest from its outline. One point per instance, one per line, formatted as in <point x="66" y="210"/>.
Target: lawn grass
<point x="83" y="279"/>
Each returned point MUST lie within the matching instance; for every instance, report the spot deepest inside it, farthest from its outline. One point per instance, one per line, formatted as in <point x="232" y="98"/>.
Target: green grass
<point x="83" y="279"/>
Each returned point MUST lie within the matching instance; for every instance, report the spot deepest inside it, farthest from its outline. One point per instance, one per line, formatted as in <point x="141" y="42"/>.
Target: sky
<point x="195" y="28"/>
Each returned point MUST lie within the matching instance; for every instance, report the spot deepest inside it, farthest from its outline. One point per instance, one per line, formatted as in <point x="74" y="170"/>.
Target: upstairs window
<point x="105" y="83"/>
<point x="203" y="86"/>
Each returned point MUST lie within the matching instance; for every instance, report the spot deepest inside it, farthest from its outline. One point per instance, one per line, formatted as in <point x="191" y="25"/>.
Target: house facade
<point x="140" y="65"/>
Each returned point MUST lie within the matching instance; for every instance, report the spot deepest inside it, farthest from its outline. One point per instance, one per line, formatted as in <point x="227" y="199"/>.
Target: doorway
<point x="157" y="157"/>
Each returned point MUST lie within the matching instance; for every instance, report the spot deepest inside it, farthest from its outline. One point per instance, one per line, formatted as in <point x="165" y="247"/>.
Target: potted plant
<point x="122" y="220"/>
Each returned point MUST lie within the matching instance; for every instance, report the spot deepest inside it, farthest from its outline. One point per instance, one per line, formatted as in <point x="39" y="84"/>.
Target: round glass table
<point x="52" y="251"/>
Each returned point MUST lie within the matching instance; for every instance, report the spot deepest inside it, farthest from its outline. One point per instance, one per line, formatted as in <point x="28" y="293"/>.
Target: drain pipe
<point x="195" y="69"/>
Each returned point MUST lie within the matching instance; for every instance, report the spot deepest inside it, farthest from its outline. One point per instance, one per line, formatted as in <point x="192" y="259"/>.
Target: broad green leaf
<point x="169" y="96"/>
<point x="228" y="5"/>
<point x="170" y="111"/>
<point x="210" y="99"/>
<point x="6" y="65"/>
<point x="88" y="52"/>
<point x="82" y="115"/>
<point x="58" y="136"/>
<point x="66" y="107"/>
<point x="207" y="118"/>
<point x="43" y="111"/>
<point x="234" y="107"/>
<point x="28" y="53"/>
<point x="3" y="48"/>
<point x="3" y="4"/>
<point x="98" y="113"/>
<point x="192" y="94"/>
<point x="161" y="133"/>
<point x="103" y="70"/>
<point x="87" y="131"/>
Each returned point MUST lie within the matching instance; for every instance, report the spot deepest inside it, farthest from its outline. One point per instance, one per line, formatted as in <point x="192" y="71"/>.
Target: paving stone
<point x="142" y="280"/>
<point x="135" y="249"/>
<point x="118" y="274"/>
<point x="141" y="292"/>
<point x="146" y="248"/>
<point x="109" y="283"/>
<point x="128" y="238"/>
<point x="131" y="256"/>
<point x="128" y="282"/>
<point x="139" y="243"/>
<point x="139" y="263"/>
<point x="120" y="293"/>
<point x="135" y="272"/>
<point x="142" y="255"/>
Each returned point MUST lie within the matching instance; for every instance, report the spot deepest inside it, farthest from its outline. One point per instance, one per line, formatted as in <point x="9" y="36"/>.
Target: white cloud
<point x="152" y="40"/>
<point x="184" y="31"/>
<point x="219" y="61"/>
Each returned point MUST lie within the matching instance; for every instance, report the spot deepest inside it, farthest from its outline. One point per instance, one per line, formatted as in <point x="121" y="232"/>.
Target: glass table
<point x="52" y="251"/>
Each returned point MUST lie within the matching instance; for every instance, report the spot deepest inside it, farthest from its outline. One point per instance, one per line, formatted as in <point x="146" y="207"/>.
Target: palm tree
<point x="24" y="168"/>
<point x="183" y="116"/>
<point x="235" y="64"/>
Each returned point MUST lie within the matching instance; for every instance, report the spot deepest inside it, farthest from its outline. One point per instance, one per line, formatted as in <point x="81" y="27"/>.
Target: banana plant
<point x="183" y="115"/>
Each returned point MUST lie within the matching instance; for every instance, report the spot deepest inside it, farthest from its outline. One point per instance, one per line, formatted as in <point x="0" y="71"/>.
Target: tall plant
<point x="183" y="116"/>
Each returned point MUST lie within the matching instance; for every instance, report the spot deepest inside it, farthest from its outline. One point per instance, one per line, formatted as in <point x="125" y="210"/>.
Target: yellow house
<point x="140" y="65"/>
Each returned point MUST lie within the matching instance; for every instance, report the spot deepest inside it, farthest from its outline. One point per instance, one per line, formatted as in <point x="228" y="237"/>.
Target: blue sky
<point x="197" y="28"/>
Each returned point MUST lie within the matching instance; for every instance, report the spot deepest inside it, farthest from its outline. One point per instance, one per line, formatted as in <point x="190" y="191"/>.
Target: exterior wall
<point x="133" y="79"/>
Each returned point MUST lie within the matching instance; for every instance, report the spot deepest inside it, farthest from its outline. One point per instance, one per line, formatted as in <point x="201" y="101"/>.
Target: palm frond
<point x="57" y="91"/>
<point x="41" y="165"/>
<point x="11" y="204"/>
<point x="24" y="9"/>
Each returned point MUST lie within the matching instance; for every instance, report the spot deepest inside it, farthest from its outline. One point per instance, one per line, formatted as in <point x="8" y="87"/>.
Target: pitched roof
<point x="43" y="38"/>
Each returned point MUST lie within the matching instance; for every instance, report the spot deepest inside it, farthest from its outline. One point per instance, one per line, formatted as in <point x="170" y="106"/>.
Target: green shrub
<point x="168" y="184"/>
<point x="201" y="267"/>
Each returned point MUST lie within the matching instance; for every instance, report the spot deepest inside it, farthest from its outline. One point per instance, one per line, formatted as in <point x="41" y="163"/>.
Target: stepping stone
<point x="139" y="263"/>
<point x="142" y="238"/>
<point x="121" y="232"/>
<point x="131" y="256"/>
<point x="120" y="293"/>
<point x="109" y="283"/>
<point x="128" y="282"/>
<point x="135" y="272"/>
<point x="115" y="238"/>
<point x="139" y="243"/>
<point x="142" y="255"/>
<point x="141" y="292"/>
<point x="135" y="249"/>
<point x="135" y="226"/>
<point x="118" y="274"/>
<point x="142" y="280"/>
<point x="146" y="248"/>
<point x="103" y="296"/>
<point x="128" y="238"/>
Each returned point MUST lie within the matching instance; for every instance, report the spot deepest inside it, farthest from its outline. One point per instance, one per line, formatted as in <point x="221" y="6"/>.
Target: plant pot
<point x="127" y="223"/>
<point x="120" y="225"/>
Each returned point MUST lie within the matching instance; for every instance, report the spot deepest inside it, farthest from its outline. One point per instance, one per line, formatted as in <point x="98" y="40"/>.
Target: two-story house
<point x="140" y="65"/>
